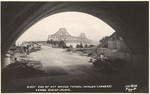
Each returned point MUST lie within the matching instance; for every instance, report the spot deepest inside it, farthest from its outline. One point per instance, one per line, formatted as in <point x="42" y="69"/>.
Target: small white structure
<point x="7" y="60"/>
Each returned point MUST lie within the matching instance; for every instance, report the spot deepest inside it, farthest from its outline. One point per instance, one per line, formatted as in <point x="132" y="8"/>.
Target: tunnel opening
<point x="82" y="32"/>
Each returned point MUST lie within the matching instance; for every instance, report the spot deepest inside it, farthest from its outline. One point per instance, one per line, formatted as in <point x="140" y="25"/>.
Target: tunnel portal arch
<point x="120" y="16"/>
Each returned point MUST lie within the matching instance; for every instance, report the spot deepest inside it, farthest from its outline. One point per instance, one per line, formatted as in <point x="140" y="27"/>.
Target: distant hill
<point x="62" y="34"/>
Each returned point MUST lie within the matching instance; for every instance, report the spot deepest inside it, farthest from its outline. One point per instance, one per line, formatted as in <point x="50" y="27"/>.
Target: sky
<point x="74" y="22"/>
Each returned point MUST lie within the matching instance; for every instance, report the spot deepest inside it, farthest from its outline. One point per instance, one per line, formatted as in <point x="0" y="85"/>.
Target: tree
<point x="14" y="44"/>
<point x="51" y="41"/>
<point x="91" y="45"/>
<point x="77" y="46"/>
<point x="13" y="47"/>
<point x="101" y="40"/>
<point x="71" y="46"/>
<point x="55" y="42"/>
<point x="47" y="41"/>
<point x="81" y="45"/>
<point x="61" y="43"/>
<point x="85" y="46"/>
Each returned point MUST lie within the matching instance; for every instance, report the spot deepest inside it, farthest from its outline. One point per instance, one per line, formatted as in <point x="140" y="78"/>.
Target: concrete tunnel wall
<point x="128" y="19"/>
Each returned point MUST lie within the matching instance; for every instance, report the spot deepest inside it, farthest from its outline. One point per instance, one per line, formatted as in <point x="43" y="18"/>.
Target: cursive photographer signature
<point x="130" y="88"/>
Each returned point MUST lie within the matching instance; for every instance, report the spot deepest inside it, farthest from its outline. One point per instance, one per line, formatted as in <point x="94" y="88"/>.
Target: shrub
<point x="20" y="69"/>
